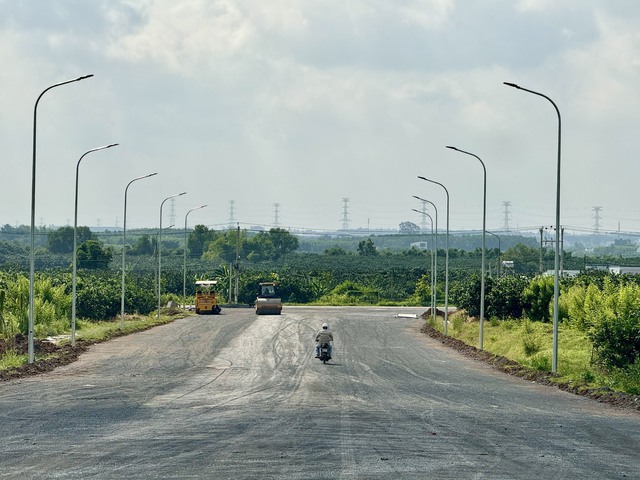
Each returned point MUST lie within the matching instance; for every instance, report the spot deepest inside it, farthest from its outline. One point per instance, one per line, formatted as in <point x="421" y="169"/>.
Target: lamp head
<point x="511" y="85"/>
<point x="452" y="148"/>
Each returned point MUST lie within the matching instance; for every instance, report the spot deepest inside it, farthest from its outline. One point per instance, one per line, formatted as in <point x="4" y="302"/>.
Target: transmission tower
<point x="345" y="214"/>
<point x="596" y="218"/>
<point x="172" y="212"/>
<point x="276" y="207"/>
<point x="507" y="213"/>
<point x="423" y="225"/>
<point x="232" y="218"/>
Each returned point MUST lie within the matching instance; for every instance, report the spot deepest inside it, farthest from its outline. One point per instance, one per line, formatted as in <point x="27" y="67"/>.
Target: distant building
<point x="420" y="245"/>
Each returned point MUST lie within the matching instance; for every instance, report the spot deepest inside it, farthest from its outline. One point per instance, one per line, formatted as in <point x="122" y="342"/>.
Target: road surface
<point x="241" y="396"/>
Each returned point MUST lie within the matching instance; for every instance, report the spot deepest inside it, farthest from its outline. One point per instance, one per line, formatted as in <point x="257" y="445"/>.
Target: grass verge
<point x="527" y="348"/>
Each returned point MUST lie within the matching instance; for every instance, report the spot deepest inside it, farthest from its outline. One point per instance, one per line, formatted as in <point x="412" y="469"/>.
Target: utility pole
<point x="540" y="263"/>
<point x="545" y="241"/>
<point x="237" y="266"/>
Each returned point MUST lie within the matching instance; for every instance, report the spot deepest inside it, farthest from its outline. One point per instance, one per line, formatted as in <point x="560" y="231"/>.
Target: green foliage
<point x="537" y="298"/>
<point x="422" y="293"/>
<point x="466" y="294"/>
<point x="99" y="296"/>
<point x="283" y="242"/>
<point x="610" y="314"/>
<point x="144" y="245"/>
<point x="541" y="363"/>
<point x="61" y="240"/>
<point x="409" y="228"/>
<point x="626" y="379"/>
<point x="351" y="293"/>
<point x="51" y="303"/>
<point x="199" y="239"/>
<point x="367" y="248"/>
<point x="93" y="255"/>
<point x="617" y="340"/>
<point x="263" y="246"/>
<point x="459" y="321"/>
<point x="335" y="251"/>
<point x="503" y="296"/>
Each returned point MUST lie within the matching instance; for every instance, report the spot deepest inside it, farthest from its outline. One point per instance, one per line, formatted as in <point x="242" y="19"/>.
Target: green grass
<point x="531" y="344"/>
<point x="11" y="359"/>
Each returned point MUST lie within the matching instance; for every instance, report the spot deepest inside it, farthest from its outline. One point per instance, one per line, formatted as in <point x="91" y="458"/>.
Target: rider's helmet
<point x="325" y="326"/>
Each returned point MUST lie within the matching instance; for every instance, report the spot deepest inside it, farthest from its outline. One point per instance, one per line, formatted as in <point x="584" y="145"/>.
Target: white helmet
<point x="325" y="326"/>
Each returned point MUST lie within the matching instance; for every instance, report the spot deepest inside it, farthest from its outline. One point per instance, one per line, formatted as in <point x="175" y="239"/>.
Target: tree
<point x="335" y="251"/>
<point x="144" y="245"/>
<point x="283" y="242"/>
<point x="93" y="255"/>
<point x="61" y="239"/>
<point x="224" y="246"/>
<point x="199" y="239"/>
<point x="409" y="228"/>
<point x="537" y="298"/>
<point x="367" y="248"/>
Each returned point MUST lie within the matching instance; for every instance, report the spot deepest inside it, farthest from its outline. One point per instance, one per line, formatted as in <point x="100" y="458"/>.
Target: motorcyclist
<point x="324" y="336"/>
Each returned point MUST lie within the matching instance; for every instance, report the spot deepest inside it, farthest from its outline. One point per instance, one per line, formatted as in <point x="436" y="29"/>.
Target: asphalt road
<point x="241" y="396"/>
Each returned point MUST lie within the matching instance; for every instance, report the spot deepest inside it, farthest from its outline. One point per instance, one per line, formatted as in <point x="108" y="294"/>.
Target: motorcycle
<point x="324" y="353"/>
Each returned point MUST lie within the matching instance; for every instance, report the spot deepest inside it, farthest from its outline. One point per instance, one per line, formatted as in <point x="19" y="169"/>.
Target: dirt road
<point x="241" y="396"/>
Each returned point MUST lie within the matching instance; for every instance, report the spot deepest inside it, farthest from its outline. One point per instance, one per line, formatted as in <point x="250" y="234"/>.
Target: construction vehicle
<point x="206" y="299"/>
<point x="268" y="301"/>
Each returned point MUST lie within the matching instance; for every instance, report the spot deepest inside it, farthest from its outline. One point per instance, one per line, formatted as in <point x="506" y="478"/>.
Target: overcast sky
<point x="304" y="103"/>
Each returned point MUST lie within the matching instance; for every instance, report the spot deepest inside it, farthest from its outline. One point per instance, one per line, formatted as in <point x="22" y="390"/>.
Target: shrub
<point x="537" y="298"/>
<point x="617" y="340"/>
<point x="542" y="363"/>
<point x="503" y="297"/>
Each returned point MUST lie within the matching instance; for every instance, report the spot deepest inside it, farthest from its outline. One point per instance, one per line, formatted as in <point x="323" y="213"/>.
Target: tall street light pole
<point x="484" y="243"/>
<point x="556" y="276"/>
<point x="184" y="264"/>
<point x="446" y="259"/>
<point x="435" y="260"/>
<point x="159" y="246"/>
<point x="433" y="285"/>
<point x="33" y="217"/>
<point x="124" y="245"/>
<point x="75" y="244"/>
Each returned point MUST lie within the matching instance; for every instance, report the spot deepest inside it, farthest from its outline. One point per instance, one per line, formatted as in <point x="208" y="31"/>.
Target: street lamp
<point x="124" y="244"/>
<point x="484" y="228"/>
<point x="499" y="250"/>
<point x="435" y="261"/>
<point x="159" y="245"/>
<point x="433" y="288"/>
<point x="556" y="276"/>
<point x="75" y="244"/>
<point x="33" y="216"/>
<point x="184" y="268"/>
<point x="446" y="259"/>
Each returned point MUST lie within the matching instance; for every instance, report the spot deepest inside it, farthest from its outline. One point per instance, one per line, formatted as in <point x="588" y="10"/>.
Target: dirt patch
<point x="48" y="355"/>
<point x="603" y="394"/>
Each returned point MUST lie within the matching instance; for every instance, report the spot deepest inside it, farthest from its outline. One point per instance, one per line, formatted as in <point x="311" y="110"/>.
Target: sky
<point x="309" y="114"/>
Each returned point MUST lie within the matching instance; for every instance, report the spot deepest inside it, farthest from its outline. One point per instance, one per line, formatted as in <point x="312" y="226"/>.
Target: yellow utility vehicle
<point x="268" y="301"/>
<point x="206" y="299"/>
